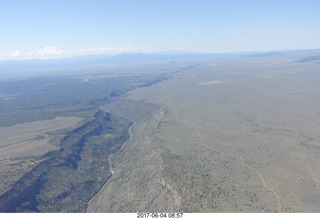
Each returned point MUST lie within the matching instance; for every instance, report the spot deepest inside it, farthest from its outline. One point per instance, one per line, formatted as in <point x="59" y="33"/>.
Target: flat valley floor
<point x="224" y="136"/>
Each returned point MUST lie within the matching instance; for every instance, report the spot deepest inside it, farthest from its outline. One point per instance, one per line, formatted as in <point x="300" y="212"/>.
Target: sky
<point x="60" y="28"/>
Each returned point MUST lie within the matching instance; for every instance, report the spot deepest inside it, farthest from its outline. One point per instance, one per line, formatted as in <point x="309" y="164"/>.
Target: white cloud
<point x="53" y="52"/>
<point x="49" y="51"/>
<point x="106" y="50"/>
<point x="15" y="54"/>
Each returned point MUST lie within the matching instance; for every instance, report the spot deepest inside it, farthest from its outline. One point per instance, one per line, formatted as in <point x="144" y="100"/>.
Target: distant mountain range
<point x="93" y="62"/>
<point x="83" y="64"/>
<point x="309" y="59"/>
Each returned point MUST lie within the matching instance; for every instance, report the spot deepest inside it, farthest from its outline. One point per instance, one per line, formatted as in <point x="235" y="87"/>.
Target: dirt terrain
<point x="238" y="136"/>
<point x="22" y="145"/>
<point x="31" y="138"/>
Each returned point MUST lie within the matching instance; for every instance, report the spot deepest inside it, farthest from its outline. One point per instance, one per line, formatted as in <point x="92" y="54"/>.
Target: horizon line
<point x="55" y="54"/>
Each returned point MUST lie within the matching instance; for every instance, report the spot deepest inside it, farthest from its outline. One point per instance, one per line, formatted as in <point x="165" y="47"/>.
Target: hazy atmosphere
<point x="42" y="29"/>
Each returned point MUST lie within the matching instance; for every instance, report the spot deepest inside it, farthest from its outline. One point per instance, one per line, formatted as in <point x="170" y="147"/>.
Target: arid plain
<point x="22" y="146"/>
<point x="230" y="135"/>
<point x="211" y="133"/>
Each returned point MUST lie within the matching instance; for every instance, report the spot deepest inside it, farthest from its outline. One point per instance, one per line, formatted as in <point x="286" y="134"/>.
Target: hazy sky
<point x="36" y="28"/>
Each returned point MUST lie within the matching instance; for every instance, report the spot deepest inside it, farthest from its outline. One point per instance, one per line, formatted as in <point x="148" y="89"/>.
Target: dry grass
<point x="250" y="144"/>
<point x="32" y="138"/>
<point x="22" y="144"/>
